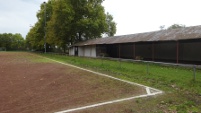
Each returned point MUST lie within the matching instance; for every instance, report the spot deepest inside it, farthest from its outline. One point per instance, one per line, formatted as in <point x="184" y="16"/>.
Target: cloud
<point x="131" y="16"/>
<point x="17" y="15"/>
<point x="134" y="16"/>
<point x="32" y="1"/>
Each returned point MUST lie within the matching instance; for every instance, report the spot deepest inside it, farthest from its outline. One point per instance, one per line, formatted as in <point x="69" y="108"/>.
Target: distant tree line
<point x="174" y="26"/>
<point x="62" y="23"/>
<point x="10" y="42"/>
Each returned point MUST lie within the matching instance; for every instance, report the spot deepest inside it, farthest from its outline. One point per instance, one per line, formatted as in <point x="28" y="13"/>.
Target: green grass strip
<point x="155" y="75"/>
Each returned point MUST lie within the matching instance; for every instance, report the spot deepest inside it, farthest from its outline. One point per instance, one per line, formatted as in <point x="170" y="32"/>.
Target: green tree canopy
<point x="35" y="36"/>
<point x="70" y="21"/>
<point x="175" y="26"/>
<point x="58" y="28"/>
<point x="12" y="41"/>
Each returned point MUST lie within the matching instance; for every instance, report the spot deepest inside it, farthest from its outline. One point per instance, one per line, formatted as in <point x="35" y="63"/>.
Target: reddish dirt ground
<point x="32" y="84"/>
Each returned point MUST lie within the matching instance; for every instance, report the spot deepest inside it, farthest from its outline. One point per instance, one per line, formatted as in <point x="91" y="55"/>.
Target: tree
<point x="12" y="41"/>
<point x="111" y="25"/>
<point x="35" y="36"/>
<point x="175" y="26"/>
<point x="90" y="20"/>
<point x="59" y="25"/>
<point x="6" y="40"/>
<point x="18" y="42"/>
<point x="69" y="22"/>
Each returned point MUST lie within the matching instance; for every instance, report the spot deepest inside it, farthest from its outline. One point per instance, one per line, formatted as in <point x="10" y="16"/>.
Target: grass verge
<point x="182" y="92"/>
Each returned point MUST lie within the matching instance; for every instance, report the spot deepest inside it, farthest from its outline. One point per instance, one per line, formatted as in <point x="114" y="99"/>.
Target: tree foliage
<point x="11" y="41"/>
<point x="58" y="28"/>
<point x="69" y="22"/>
<point x="175" y="26"/>
<point x="111" y="26"/>
<point x="35" y="36"/>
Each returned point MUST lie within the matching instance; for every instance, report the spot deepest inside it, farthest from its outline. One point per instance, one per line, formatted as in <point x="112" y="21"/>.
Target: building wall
<point x="93" y="51"/>
<point x="87" y="51"/>
<point x="72" y="51"/>
<point x="101" y="51"/>
<point x="143" y="50"/>
<point x="112" y="50"/>
<point x="165" y="51"/>
<point x="127" y="51"/>
<point x="81" y="51"/>
<point x="190" y="51"/>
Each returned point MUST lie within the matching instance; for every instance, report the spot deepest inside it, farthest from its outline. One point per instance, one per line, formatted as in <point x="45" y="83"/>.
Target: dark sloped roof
<point x="163" y="35"/>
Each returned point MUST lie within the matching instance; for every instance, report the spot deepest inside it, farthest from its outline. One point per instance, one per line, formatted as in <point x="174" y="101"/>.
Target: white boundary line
<point x="109" y="102"/>
<point x="148" y="91"/>
<point x="105" y="103"/>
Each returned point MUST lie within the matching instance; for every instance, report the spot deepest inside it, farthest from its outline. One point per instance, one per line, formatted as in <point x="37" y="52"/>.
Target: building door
<point x="76" y="51"/>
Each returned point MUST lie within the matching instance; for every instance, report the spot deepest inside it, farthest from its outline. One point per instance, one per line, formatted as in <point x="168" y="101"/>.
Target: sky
<point x="131" y="16"/>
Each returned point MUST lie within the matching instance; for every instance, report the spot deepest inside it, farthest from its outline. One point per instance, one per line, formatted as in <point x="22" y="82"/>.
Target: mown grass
<point x="182" y="92"/>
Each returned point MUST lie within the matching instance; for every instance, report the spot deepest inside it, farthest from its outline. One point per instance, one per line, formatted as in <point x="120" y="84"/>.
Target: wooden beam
<point x="134" y="51"/>
<point x="153" y="51"/>
<point x="91" y="50"/>
<point x="95" y="50"/>
<point x="119" y="51"/>
<point x="177" y="52"/>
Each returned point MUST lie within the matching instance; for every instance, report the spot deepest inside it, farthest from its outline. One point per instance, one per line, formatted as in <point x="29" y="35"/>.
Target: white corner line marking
<point x="101" y="74"/>
<point x="148" y="91"/>
<point x="105" y="103"/>
<point x="109" y="102"/>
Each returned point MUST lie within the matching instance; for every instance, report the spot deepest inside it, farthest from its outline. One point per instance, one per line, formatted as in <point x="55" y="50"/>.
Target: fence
<point x="131" y="67"/>
<point x="150" y="64"/>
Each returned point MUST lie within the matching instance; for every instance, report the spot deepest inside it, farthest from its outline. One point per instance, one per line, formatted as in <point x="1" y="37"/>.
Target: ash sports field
<point x="30" y="83"/>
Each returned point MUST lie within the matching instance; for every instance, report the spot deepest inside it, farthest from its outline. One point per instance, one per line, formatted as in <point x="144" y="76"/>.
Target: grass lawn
<point x="182" y="92"/>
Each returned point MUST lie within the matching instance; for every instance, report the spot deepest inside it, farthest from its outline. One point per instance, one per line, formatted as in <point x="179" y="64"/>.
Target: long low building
<point x="181" y="45"/>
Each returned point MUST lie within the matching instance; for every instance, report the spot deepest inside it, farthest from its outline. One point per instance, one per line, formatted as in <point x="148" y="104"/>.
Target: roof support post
<point x="91" y="51"/>
<point x="95" y="50"/>
<point x="153" y="51"/>
<point x="133" y="50"/>
<point x="119" y="51"/>
<point x="84" y="47"/>
<point x="177" y="52"/>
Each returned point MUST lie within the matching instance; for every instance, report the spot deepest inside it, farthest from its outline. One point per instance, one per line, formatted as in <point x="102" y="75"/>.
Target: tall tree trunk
<point x="64" y="47"/>
<point x="80" y="38"/>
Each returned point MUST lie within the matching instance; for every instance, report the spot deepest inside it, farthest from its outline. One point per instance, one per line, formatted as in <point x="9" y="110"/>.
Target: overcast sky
<point x="131" y="16"/>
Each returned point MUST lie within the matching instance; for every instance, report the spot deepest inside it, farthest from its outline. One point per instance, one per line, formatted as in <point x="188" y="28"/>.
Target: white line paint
<point x="148" y="91"/>
<point x="105" y="103"/>
<point x="109" y="102"/>
<point x="97" y="73"/>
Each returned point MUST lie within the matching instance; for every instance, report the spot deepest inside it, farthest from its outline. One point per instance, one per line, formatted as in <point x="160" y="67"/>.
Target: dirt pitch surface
<point x="32" y="84"/>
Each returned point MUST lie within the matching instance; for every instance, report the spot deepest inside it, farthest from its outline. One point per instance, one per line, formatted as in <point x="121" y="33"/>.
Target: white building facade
<point x="83" y="51"/>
